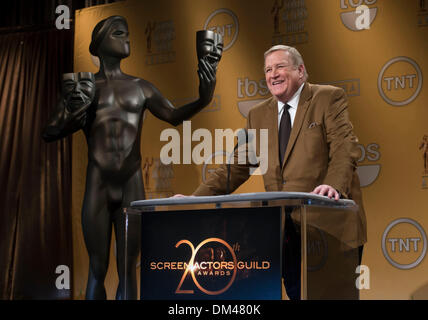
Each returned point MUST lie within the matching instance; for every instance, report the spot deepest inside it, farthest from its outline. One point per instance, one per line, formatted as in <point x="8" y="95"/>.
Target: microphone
<point x="243" y="138"/>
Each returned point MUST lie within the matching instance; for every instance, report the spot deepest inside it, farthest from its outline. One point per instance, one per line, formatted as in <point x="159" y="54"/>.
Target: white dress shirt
<point x="293" y="103"/>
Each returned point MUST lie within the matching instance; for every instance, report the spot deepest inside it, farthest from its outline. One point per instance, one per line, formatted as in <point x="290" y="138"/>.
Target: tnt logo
<point x="400" y="81"/>
<point x="361" y="17"/>
<point x="224" y="22"/>
<point x="404" y="243"/>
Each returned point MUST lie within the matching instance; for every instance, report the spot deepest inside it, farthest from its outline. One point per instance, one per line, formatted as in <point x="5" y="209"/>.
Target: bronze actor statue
<point x="109" y="108"/>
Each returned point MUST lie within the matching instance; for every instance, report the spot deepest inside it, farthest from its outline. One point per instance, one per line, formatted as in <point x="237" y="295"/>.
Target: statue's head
<point x="110" y="38"/>
<point x="209" y="46"/>
<point x="78" y="88"/>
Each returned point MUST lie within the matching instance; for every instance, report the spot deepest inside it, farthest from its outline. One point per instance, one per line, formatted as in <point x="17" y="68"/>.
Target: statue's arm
<point x="163" y="109"/>
<point x="64" y="122"/>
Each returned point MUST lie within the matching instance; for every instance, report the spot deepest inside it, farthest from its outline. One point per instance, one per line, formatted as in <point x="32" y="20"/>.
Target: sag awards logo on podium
<point x="212" y="268"/>
<point x="160" y="36"/>
<point x="224" y="22"/>
<point x="404" y="243"/>
<point x="289" y="22"/>
<point x="400" y="81"/>
<point x="360" y="17"/>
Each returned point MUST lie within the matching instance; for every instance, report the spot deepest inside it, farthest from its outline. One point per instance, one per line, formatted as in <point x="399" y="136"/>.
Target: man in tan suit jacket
<point x="321" y="154"/>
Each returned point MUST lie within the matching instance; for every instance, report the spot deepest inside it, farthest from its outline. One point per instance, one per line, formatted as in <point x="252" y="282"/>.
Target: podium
<point x="231" y="246"/>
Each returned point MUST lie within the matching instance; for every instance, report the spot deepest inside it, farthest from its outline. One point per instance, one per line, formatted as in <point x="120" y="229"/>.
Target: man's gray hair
<point x="296" y="57"/>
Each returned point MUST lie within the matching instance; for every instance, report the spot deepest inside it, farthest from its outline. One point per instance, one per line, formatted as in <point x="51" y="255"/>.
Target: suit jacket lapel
<point x="273" y="135"/>
<point x="304" y="101"/>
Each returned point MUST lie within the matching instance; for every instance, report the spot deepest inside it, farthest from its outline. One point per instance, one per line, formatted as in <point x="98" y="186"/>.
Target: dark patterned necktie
<point x="284" y="132"/>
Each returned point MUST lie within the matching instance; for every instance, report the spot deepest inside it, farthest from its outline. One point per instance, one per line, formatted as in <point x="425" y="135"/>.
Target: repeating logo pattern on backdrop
<point x="399" y="80"/>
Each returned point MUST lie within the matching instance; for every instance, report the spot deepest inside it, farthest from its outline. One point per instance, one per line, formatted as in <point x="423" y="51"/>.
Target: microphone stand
<point x="239" y="143"/>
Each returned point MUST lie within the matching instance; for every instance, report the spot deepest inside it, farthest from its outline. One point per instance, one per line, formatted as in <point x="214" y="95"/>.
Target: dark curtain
<point x="35" y="177"/>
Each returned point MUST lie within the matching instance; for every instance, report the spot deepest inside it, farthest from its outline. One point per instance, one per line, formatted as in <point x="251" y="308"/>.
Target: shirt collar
<point x="294" y="101"/>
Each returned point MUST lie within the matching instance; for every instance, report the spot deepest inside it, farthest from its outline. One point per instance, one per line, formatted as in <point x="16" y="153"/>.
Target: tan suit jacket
<point x="322" y="150"/>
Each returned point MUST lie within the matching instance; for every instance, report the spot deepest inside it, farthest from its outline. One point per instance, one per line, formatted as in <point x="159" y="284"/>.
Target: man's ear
<point x="301" y="69"/>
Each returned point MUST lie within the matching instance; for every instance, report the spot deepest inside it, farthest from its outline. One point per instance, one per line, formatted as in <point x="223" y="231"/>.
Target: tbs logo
<point x="361" y="17"/>
<point x="368" y="170"/>
<point x="256" y="90"/>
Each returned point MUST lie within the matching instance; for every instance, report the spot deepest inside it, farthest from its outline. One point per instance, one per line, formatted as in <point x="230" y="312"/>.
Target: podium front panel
<point x="231" y="247"/>
<point x="232" y="253"/>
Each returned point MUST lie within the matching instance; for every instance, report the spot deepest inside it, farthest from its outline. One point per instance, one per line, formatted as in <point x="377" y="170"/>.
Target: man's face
<point x="282" y="78"/>
<point x="78" y="88"/>
<point x="209" y="46"/>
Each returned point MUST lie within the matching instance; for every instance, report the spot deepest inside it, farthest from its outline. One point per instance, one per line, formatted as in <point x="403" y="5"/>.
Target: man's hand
<point x="326" y="190"/>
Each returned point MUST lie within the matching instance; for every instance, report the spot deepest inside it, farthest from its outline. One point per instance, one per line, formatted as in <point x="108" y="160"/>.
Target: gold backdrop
<point x="377" y="53"/>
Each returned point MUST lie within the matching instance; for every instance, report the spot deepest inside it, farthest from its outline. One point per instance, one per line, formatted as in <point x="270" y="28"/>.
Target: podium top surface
<point x="306" y="198"/>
